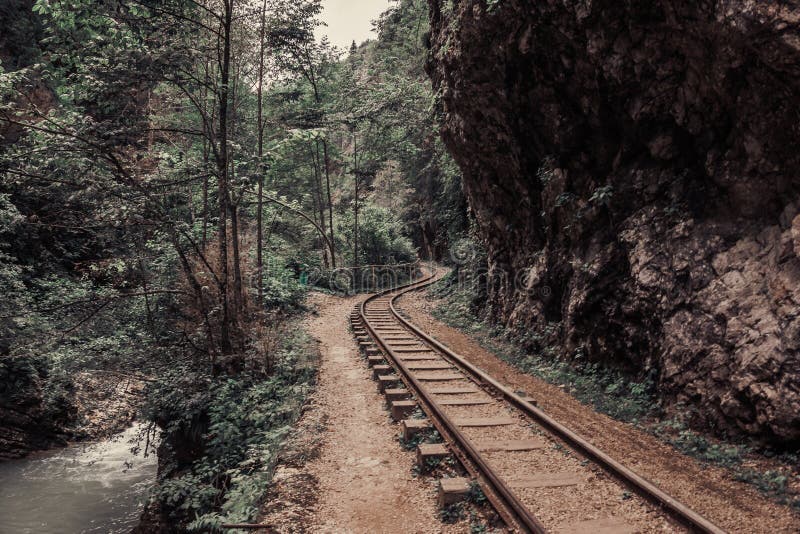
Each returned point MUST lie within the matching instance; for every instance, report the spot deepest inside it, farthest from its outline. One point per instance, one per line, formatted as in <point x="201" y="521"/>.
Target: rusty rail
<point x="513" y="510"/>
<point x="519" y="514"/>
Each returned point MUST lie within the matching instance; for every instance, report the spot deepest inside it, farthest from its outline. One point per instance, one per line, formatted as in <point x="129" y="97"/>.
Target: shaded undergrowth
<point x="223" y="436"/>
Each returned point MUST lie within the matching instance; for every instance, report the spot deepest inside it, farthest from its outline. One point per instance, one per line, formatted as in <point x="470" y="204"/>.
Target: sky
<point x="350" y="20"/>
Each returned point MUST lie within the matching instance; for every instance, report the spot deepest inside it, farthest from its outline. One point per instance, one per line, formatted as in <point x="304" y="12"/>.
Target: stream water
<point x="85" y="488"/>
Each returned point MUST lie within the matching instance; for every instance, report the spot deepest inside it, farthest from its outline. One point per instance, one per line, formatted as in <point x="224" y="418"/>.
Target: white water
<point x="86" y="488"/>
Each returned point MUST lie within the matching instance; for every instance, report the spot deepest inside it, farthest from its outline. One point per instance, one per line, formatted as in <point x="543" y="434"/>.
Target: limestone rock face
<point x="634" y="172"/>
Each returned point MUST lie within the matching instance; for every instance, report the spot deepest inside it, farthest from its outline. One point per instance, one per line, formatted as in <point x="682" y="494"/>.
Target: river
<point x="84" y="488"/>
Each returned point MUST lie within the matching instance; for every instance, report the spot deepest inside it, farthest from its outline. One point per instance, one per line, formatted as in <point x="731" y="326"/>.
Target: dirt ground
<point x="344" y="470"/>
<point x="733" y="505"/>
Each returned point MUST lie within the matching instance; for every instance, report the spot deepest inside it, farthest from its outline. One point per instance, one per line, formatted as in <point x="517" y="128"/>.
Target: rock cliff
<point x="633" y="169"/>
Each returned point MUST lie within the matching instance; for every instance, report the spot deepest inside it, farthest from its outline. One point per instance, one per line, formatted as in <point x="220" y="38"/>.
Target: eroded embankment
<point x="92" y="405"/>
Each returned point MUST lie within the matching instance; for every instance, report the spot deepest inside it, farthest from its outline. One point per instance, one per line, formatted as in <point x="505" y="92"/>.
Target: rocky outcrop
<point x="634" y="175"/>
<point x="25" y="416"/>
<point x="38" y="411"/>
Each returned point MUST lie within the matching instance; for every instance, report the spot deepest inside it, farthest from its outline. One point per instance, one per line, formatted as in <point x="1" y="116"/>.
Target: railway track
<point x="538" y="475"/>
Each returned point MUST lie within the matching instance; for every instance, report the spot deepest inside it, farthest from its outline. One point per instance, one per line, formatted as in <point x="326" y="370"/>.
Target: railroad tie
<point x="609" y="525"/>
<point x="465" y="402"/>
<point x="384" y="381"/>
<point x="412" y="427"/>
<point x="431" y="377"/>
<point x="453" y="490"/>
<point x="430" y="452"/>
<point x="484" y="421"/>
<point x="506" y="445"/>
<point x="397" y="394"/>
<point x="546" y="480"/>
<point x="454" y="391"/>
<point x="400" y="409"/>
<point x="430" y="366"/>
<point x="420" y="358"/>
<point x="381" y="370"/>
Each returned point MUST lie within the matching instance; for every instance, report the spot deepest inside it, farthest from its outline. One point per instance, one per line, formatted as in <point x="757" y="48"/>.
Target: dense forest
<point x="614" y="187"/>
<point x="173" y="175"/>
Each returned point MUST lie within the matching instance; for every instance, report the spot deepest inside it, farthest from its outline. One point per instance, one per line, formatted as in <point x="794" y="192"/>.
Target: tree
<point x="296" y="50"/>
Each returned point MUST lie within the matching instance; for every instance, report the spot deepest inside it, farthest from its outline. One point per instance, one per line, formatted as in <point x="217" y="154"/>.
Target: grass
<point x="736" y="457"/>
<point x="619" y="396"/>
<point x="773" y="483"/>
<point x="696" y="445"/>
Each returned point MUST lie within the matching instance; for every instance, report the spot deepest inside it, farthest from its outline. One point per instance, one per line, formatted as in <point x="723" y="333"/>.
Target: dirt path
<point x="734" y="506"/>
<point x="359" y="479"/>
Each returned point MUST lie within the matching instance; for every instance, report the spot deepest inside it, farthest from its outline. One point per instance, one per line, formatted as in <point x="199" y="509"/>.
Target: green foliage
<point x="18" y="375"/>
<point x="381" y="237"/>
<point x="21" y="31"/>
<point x="733" y="456"/>
<point x="676" y="433"/>
<point x="385" y="93"/>
<point x="491" y="5"/>
<point x="476" y="495"/>
<point x="425" y="436"/>
<point x="476" y="526"/>
<point x="774" y="484"/>
<point x="240" y="423"/>
<point x="283" y="289"/>
<point x="602" y="195"/>
<point x="452" y="513"/>
<point x="14" y="300"/>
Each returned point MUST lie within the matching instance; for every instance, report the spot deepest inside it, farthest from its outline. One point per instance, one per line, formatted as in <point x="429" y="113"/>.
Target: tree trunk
<point x="238" y="290"/>
<point x="332" y="241"/>
<point x="355" y="205"/>
<point x="206" y="152"/>
<point x="261" y="170"/>
<point x="318" y="200"/>
<point x="330" y="201"/>
<point x="205" y="202"/>
<point x="222" y="169"/>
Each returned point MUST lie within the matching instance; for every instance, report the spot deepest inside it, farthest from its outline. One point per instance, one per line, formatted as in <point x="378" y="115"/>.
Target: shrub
<point x="381" y="237"/>
<point x="232" y="429"/>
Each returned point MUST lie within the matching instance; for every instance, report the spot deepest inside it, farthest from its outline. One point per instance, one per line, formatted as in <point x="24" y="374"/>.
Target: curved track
<point x="539" y="475"/>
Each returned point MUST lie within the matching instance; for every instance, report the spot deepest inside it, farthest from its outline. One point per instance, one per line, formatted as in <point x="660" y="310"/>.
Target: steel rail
<point x="646" y="489"/>
<point x="523" y="517"/>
